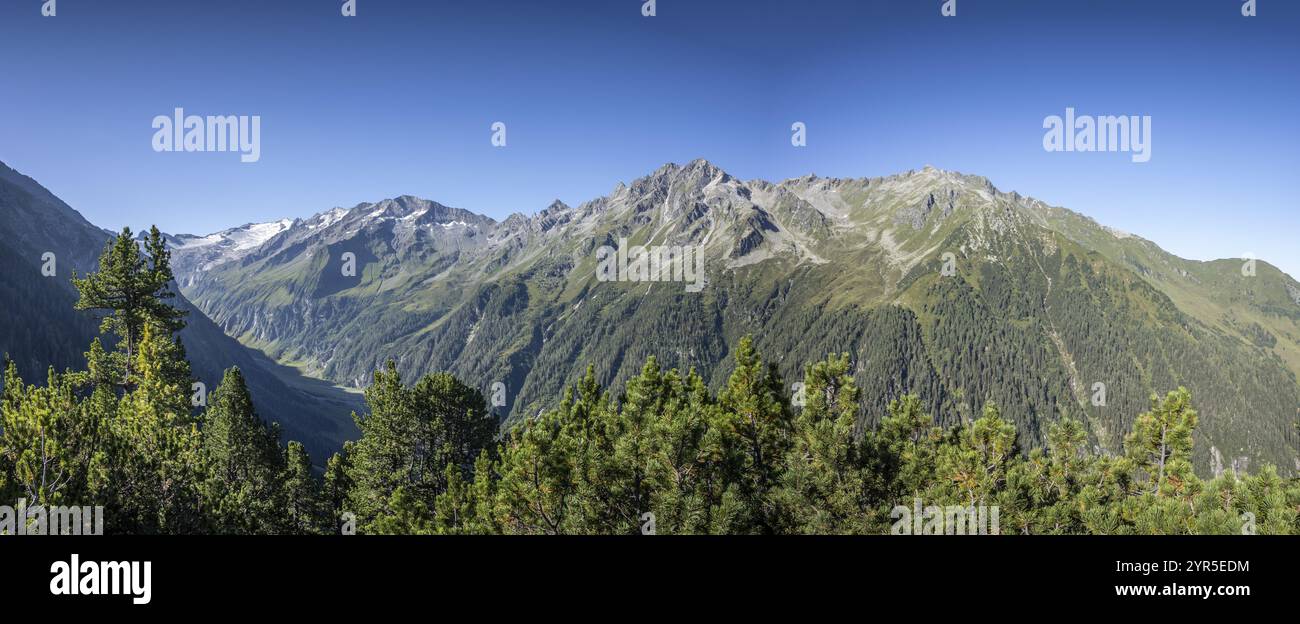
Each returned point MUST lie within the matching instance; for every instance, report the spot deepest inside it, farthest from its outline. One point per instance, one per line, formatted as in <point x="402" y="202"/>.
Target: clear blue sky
<point x="399" y="100"/>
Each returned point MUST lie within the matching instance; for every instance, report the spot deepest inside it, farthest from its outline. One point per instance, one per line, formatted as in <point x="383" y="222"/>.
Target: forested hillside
<point x="40" y="327"/>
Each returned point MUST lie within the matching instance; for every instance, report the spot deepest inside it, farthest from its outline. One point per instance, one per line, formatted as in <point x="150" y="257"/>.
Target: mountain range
<point x="935" y="282"/>
<point x="1042" y="306"/>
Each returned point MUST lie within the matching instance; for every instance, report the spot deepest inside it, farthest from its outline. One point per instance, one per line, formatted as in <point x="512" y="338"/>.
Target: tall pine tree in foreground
<point x="132" y="289"/>
<point x="243" y="460"/>
<point x="304" y="509"/>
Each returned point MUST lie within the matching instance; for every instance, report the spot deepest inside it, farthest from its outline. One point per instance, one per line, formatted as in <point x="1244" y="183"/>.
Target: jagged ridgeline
<point x="934" y="282"/>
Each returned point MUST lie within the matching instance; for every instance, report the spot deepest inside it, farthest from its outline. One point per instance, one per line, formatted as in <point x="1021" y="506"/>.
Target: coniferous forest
<point x="665" y="454"/>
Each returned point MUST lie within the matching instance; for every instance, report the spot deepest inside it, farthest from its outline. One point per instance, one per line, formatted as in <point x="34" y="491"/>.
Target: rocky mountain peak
<point x="556" y="206"/>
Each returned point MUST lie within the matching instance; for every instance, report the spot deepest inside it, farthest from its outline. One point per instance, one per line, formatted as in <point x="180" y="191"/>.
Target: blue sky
<point x="400" y="99"/>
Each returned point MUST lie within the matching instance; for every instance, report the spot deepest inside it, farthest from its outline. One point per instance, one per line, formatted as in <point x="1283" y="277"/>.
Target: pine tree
<point x="132" y="287"/>
<point x="615" y="489"/>
<point x="1048" y="484"/>
<point x="755" y="425"/>
<point x="382" y="459"/>
<point x="154" y="453"/>
<point x="242" y="460"/>
<point x="909" y="438"/>
<point x="1161" y="444"/>
<point x="403" y="514"/>
<point x="483" y="493"/>
<point x="409" y="436"/>
<point x="826" y="484"/>
<point x="541" y="474"/>
<point x="48" y="447"/>
<point x="305" y="512"/>
<point x="685" y="471"/>
<point x="337" y="485"/>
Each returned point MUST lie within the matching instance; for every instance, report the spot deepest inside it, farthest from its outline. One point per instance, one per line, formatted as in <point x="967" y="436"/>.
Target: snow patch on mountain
<point x="201" y="253"/>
